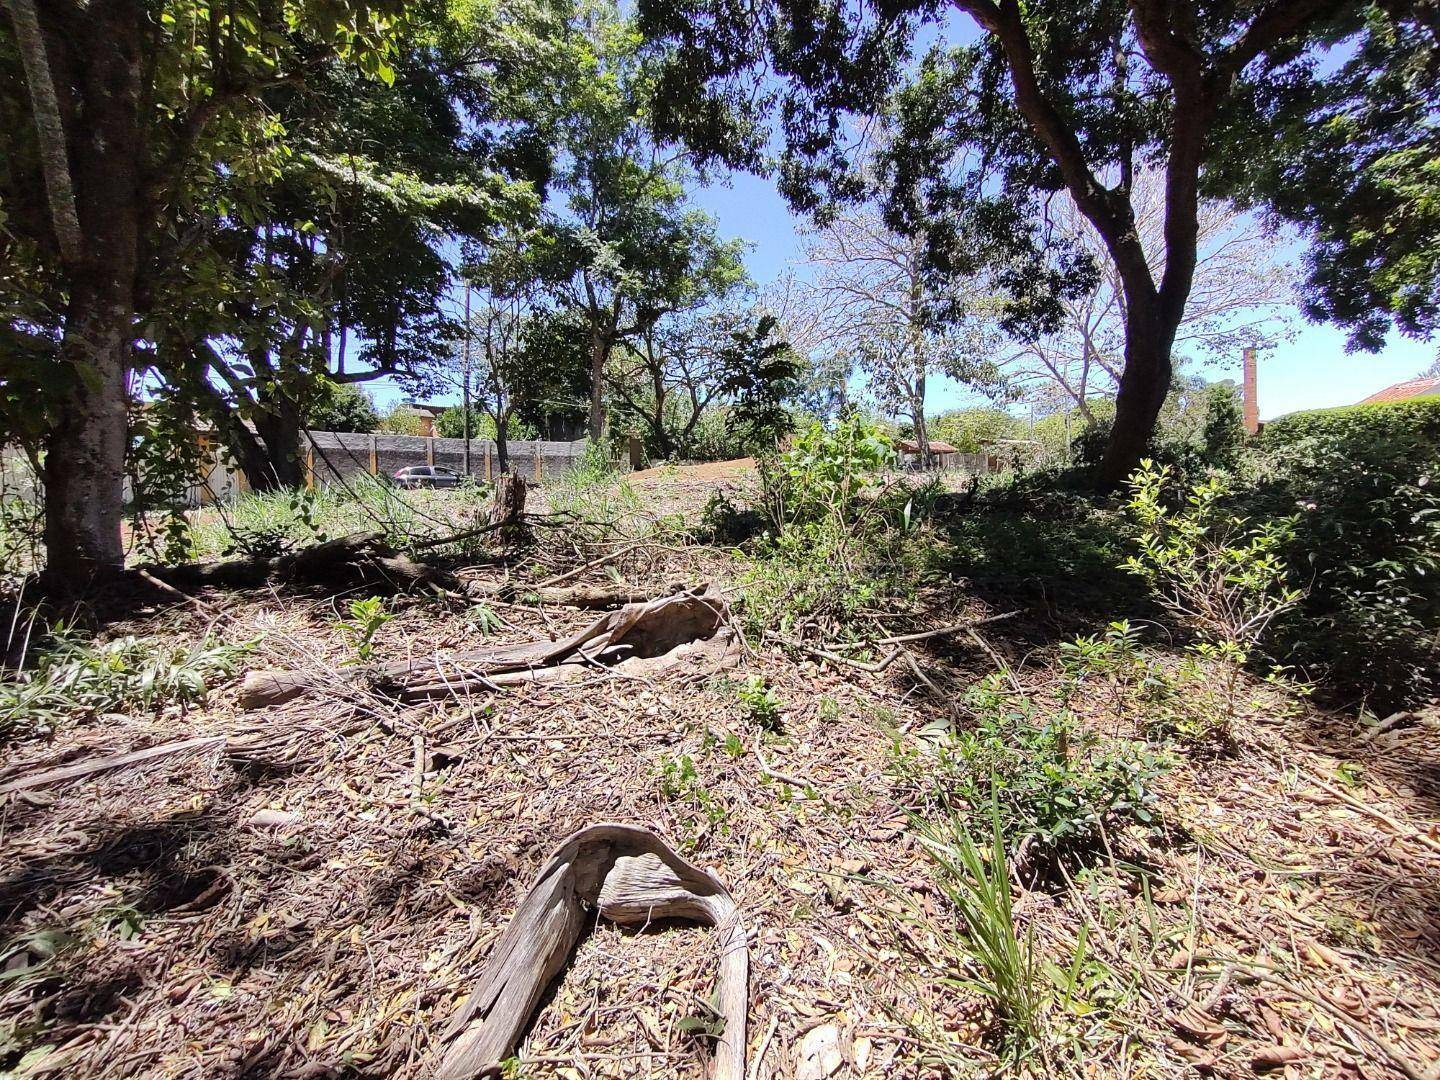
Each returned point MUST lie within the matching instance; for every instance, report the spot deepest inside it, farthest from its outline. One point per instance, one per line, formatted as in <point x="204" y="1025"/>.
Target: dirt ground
<point x="320" y="906"/>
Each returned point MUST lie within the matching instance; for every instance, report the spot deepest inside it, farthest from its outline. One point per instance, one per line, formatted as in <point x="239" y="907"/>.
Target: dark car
<point x="426" y="476"/>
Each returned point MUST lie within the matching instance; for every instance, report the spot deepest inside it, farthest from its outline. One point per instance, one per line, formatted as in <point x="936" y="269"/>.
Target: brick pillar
<point x="1252" y="402"/>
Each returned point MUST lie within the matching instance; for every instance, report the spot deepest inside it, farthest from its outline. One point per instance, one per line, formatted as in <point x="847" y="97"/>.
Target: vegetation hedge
<point x="1362" y="482"/>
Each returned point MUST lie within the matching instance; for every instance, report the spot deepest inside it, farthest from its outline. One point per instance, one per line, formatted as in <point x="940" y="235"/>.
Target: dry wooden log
<point x="632" y="877"/>
<point x="620" y="639"/>
<point x="265" y="689"/>
<point x="103" y="764"/>
<point x="356" y="557"/>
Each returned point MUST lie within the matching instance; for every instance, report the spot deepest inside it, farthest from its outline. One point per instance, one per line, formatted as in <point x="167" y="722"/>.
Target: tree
<point x="688" y="366"/>
<point x="1051" y="97"/>
<point x="492" y="362"/>
<point x="450" y="424"/>
<point x="338" y="273"/>
<point x="900" y="322"/>
<point x="969" y="430"/>
<point x="633" y="250"/>
<point x="1353" y="159"/>
<point x="400" y="419"/>
<point x="118" y="106"/>
<point x="802" y="318"/>
<point x="343" y="407"/>
<point x="1240" y="296"/>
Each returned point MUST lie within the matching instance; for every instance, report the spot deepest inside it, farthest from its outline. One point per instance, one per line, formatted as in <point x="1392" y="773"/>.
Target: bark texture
<point x="85" y="455"/>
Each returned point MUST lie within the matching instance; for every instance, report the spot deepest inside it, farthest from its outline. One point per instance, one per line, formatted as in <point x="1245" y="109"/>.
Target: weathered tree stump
<point x="509" y="502"/>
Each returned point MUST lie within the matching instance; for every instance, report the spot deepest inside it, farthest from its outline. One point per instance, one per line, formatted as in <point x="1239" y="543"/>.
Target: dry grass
<point x="1284" y="913"/>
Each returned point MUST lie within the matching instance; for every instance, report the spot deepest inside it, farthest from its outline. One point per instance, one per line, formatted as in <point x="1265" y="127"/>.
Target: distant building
<point x="426" y="414"/>
<point x="1424" y="386"/>
<point x="941" y="452"/>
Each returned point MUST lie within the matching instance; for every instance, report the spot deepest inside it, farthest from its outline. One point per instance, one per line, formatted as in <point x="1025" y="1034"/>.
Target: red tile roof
<point x="1424" y="386"/>
<point x="911" y="446"/>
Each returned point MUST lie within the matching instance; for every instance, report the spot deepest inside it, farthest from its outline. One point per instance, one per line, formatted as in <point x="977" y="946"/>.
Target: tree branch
<point x="49" y="129"/>
<point x="1110" y="216"/>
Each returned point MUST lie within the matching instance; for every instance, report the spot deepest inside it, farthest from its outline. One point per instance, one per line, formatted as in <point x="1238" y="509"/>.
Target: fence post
<point x="374" y="457"/>
<point x="487" y="461"/>
<point x="429" y="450"/>
<point x="310" y="467"/>
<point x="537" y="461"/>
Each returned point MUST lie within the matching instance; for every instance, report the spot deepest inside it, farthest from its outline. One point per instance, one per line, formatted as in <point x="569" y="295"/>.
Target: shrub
<point x="1208" y="565"/>
<point x="21" y="527"/>
<point x="450" y="424"/>
<point x="823" y="474"/>
<point x="1361" y="485"/>
<point x="1052" y="783"/>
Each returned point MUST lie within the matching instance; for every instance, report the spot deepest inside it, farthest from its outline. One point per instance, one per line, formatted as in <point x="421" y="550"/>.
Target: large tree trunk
<point x="1149" y="339"/>
<point x="599" y="353"/>
<point x="85" y="456"/>
<point x="922" y="431"/>
<point x="502" y="444"/>
<point x="279" y="428"/>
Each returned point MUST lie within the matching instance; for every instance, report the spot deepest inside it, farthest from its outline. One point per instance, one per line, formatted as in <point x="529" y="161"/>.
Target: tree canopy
<point x="1048" y="98"/>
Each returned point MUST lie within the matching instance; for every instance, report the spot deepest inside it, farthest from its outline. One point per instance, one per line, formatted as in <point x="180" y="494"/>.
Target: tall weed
<point x="72" y="677"/>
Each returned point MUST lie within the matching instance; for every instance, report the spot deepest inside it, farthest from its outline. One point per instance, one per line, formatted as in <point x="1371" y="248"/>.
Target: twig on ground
<point x="559" y="579"/>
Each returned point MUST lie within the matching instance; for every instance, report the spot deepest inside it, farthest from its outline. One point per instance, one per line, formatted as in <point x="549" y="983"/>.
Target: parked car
<point x="426" y="476"/>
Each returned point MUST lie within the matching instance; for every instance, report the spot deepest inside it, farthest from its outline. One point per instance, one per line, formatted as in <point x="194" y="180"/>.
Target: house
<point x="1423" y="386"/>
<point x="425" y="414"/>
<point x="942" y="452"/>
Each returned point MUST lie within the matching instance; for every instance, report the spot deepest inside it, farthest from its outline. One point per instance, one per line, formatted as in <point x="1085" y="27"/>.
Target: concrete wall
<point x="330" y="456"/>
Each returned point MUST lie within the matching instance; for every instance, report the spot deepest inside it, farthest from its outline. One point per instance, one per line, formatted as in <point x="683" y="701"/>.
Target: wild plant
<point x="68" y="676"/>
<point x="975" y="878"/>
<point x="761" y="702"/>
<point x="1212" y="568"/>
<point x="367" y="616"/>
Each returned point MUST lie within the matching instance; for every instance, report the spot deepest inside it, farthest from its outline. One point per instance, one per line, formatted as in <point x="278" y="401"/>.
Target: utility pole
<point x="465" y="379"/>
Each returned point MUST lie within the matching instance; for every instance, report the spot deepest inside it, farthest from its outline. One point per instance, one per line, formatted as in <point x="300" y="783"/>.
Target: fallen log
<point x="631" y="877"/>
<point x="361" y="557"/>
<point x="90" y="766"/>
<point x="637" y="639"/>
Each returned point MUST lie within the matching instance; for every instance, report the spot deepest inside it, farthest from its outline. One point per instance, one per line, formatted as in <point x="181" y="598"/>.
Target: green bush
<point x="450" y="424"/>
<point x="823" y="474"/>
<point x="1361" y="483"/>
<point x="1214" y="569"/>
<point x="1052" y="783"/>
